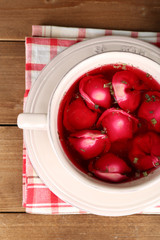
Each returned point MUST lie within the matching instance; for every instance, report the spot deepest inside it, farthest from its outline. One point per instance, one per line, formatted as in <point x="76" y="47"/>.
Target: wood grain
<point x="16" y="20"/>
<point x="78" y="227"/>
<point x="12" y="71"/>
<point x="10" y="169"/>
<point x="17" y="17"/>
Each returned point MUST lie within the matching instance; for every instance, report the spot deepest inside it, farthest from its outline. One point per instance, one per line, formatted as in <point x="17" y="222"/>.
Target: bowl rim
<point x="63" y="85"/>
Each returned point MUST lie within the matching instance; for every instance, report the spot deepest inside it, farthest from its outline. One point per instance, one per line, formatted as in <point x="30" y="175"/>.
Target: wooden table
<point x="16" y="19"/>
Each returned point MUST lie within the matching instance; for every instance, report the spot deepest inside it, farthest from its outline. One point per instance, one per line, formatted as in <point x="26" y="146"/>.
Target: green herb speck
<point x="154" y="121"/>
<point x="154" y="98"/>
<point x="148" y="98"/>
<point x="115" y="66"/>
<point x="124" y="67"/>
<point x="158" y="157"/>
<point x="102" y="131"/>
<point x="145" y="174"/>
<point x="135" y="160"/>
<point x="111" y="91"/>
<point x="82" y="149"/>
<point x="157" y="164"/>
<point x="107" y="169"/>
<point x="147" y="74"/>
<point x="124" y="82"/>
<point x="105" y="85"/>
<point x="96" y="106"/>
<point x="150" y="111"/>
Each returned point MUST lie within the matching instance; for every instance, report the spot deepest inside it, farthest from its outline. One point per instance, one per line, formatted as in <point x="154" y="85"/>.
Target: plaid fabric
<point x="46" y="43"/>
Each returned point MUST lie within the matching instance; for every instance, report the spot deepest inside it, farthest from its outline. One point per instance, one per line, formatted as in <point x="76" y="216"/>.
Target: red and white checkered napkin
<point x="46" y="43"/>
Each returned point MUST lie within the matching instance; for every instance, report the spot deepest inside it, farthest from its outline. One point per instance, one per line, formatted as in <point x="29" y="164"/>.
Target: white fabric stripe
<point x="90" y="33"/>
<point x="34" y="181"/>
<point x="67" y="210"/>
<point x="59" y="32"/>
<point x="148" y="34"/>
<point x="48" y="30"/>
<point x="121" y="32"/>
<point x="40" y="54"/>
<point x="34" y="75"/>
<point x="148" y="39"/>
<point x="49" y="210"/>
<point x="46" y="204"/>
<point x="37" y="186"/>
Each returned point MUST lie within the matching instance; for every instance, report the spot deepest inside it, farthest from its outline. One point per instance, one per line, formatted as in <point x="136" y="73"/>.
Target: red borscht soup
<point x="109" y="123"/>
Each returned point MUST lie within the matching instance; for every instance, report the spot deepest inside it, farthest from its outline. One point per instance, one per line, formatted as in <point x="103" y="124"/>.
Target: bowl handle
<point x="32" y="121"/>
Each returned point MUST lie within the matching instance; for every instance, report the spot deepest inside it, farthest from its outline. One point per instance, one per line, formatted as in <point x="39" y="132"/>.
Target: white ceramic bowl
<point x="49" y="121"/>
<point x="91" y="63"/>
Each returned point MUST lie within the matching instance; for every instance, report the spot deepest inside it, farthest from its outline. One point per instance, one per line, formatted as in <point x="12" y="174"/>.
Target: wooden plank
<point x="77" y="227"/>
<point x="12" y="71"/>
<point x="17" y="17"/>
<point x="10" y="169"/>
